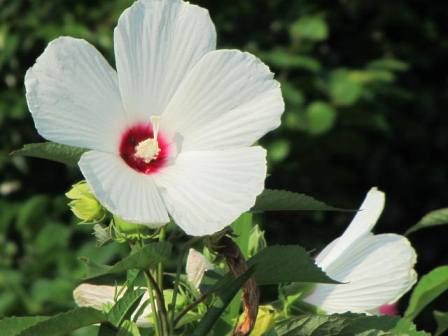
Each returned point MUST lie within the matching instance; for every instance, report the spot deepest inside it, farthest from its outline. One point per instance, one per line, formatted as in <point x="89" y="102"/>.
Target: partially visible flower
<point x="389" y="309"/>
<point x="374" y="269"/>
<point x="103" y="297"/>
<point x="197" y="265"/>
<point x="84" y="204"/>
<point x="170" y="133"/>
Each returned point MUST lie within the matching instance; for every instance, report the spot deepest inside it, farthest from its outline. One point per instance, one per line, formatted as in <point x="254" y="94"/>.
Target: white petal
<point x="228" y="100"/>
<point x="73" y="95"/>
<point x="376" y="270"/>
<point x="156" y="43"/>
<point x="361" y="225"/>
<point x="206" y="191"/>
<point x="197" y="265"/>
<point x="125" y="192"/>
<point x="95" y="296"/>
<point x="100" y="296"/>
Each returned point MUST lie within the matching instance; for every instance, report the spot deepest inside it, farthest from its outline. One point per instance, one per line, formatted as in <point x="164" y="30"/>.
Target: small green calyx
<point x="125" y="231"/>
<point x="84" y="205"/>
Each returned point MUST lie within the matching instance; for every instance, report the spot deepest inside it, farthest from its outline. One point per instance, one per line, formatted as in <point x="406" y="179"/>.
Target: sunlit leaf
<point x="427" y="289"/>
<point x="320" y="117"/>
<point x="68" y="155"/>
<point x="278" y="150"/>
<point x="309" y="27"/>
<point x="286" y="60"/>
<point x="343" y="89"/>
<point x="433" y="218"/>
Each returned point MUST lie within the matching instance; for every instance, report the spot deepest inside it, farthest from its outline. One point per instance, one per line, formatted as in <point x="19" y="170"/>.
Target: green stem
<point x="160" y="300"/>
<point x="175" y="290"/>
<point x="160" y="266"/>
<point x="155" y="315"/>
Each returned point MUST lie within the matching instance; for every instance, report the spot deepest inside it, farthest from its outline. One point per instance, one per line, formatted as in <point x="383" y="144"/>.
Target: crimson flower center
<point x="144" y="148"/>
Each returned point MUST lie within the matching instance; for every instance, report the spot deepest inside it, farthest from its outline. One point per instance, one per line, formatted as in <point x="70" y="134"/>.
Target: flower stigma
<point x="149" y="149"/>
<point x="144" y="147"/>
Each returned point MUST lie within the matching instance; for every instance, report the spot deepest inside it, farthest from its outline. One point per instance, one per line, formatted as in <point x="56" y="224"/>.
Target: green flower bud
<point x="125" y="231"/>
<point x="84" y="204"/>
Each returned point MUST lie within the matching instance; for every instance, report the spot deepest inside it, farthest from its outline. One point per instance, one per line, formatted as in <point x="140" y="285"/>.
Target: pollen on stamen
<point x="144" y="148"/>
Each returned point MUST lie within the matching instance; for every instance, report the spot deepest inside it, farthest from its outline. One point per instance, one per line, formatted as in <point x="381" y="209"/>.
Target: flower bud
<point x="84" y="204"/>
<point x="197" y="265"/>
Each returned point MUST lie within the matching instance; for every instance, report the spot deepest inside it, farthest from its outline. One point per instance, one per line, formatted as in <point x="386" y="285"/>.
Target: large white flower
<point x="171" y="131"/>
<point x="374" y="269"/>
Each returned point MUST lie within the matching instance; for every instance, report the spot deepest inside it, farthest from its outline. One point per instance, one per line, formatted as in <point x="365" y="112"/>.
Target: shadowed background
<point x="366" y="97"/>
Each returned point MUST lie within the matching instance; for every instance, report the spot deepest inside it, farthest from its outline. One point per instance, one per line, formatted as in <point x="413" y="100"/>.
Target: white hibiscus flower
<point x="171" y="131"/>
<point x="374" y="269"/>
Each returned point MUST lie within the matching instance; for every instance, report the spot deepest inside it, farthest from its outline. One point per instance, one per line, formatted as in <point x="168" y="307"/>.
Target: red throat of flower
<point x="144" y="148"/>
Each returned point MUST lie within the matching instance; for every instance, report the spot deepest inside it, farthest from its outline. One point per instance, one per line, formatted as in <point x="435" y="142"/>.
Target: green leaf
<point x="148" y="256"/>
<point x="282" y="200"/>
<point x="242" y="228"/>
<point x="125" y="306"/>
<point x="257" y="241"/>
<point x="129" y="329"/>
<point x="68" y="155"/>
<point x="320" y="117"/>
<point x="433" y="218"/>
<point x="428" y="288"/>
<point x="344" y="89"/>
<point x="346" y="325"/>
<point x="389" y="64"/>
<point x="12" y="326"/>
<point x="285" y="60"/>
<point x="229" y="287"/>
<point x="278" y="150"/>
<point x="442" y="322"/>
<point x="64" y="323"/>
<point x="288" y="263"/>
<point x="309" y="27"/>
<point x="106" y="329"/>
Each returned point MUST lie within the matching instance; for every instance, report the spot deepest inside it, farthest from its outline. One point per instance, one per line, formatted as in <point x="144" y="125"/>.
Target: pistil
<point x="148" y="150"/>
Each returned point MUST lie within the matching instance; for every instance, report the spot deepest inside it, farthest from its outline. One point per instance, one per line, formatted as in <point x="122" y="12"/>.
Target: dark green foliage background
<point x="366" y="97"/>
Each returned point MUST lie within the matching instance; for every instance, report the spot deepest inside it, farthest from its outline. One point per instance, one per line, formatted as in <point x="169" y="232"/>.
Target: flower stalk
<point x="251" y="294"/>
